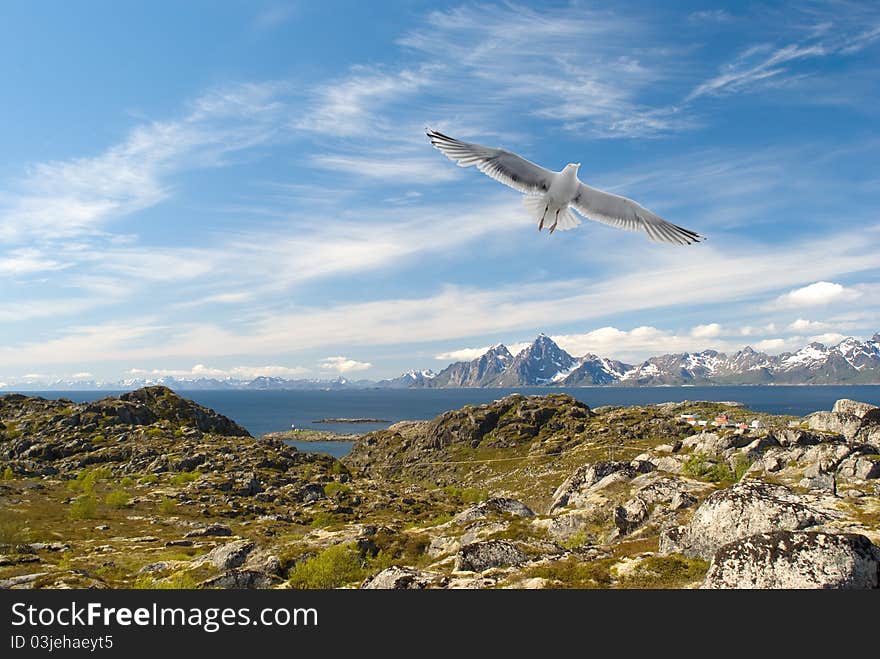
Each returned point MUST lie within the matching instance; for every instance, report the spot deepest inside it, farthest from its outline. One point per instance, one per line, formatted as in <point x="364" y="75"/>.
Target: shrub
<point x="8" y="474"/>
<point x="117" y="499"/>
<point x="184" y="477"/>
<point x="334" y="567"/>
<point x="579" y="539"/>
<point x="84" y="506"/>
<point x="128" y="481"/>
<point x="86" y="479"/>
<point x="168" y="506"/>
<point x="154" y="432"/>
<point x="147" y="479"/>
<point x="333" y="489"/>
<point x="466" y="494"/>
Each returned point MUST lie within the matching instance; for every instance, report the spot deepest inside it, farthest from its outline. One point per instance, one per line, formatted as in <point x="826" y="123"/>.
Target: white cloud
<point x="772" y="345"/>
<point x="803" y="325"/>
<point x="706" y="331"/>
<point x="593" y="82"/>
<point x="710" y="16"/>
<point x="82" y="375"/>
<point x="274" y="16"/>
<point x="629" y="345"/>
<point x="828" y="338"/>
<point x="817" y="294"/>
<point x="27" y="261"/>
<point x="348" y="106"/>
<point x="61" y="199"/>
<point x="395" y="169"/>
<point x="344" y="364"/>
<point x="238" y="372"/>
<point x="462" y="355"/>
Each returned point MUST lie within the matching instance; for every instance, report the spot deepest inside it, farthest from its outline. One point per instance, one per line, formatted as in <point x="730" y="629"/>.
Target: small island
<point x="300" y="435"/>
<point x="350" y="420"/>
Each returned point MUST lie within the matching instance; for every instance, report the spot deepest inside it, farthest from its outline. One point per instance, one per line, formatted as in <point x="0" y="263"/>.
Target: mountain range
<point x="544" y="364"/>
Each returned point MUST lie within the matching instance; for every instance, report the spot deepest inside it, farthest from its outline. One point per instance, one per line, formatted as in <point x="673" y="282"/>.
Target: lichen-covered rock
<point x="240" y="580"/>
<point x="232" y="554"/>
<point x="853" y="407"/>
<point x="595" y="476"/>
<point x="785" y="559"/>
<point x="861" y="467"/>
<point x="482" y="556"/>
<point x="494" y="506"/>
<point x="845" y="424"/>
<point x="404" y="578"/>
<point x="218" y="530"/>
<point x="748" y="508"/>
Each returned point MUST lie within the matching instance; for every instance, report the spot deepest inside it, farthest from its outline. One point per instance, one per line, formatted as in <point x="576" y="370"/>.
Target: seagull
<point x="551" y="196"/>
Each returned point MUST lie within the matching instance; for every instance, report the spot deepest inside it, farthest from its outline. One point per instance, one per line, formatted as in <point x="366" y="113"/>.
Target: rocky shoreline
<point x="149" y="490"/>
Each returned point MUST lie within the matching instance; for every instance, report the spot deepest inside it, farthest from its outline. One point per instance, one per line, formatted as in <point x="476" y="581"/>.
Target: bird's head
<point x="573" y="166"/>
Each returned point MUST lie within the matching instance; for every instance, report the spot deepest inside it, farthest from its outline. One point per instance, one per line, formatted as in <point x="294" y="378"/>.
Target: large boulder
<point x="481" y="556"/>
<point x="853" y="407"/>
<point x="494" y="506"/>
<point x="786" y="559"/>
<point x="843" y="424"/>
<point x="404" y="578"/>
<point x="592" y="477"/>
<point x="747" y="508"/>
<point x="228" y="556"/>
<point x="241" y="580"/>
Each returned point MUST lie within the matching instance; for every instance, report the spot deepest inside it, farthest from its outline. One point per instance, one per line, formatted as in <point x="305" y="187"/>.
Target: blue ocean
<point x="267" y="411"/>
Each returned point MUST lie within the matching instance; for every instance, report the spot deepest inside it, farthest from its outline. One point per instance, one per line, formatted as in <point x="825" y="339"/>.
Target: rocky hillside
<point x="151" y="490"/>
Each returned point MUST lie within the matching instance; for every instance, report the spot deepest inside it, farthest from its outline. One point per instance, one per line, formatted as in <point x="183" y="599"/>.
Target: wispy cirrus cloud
<point x="203" y="371"/>
<point x="57" y="200"/>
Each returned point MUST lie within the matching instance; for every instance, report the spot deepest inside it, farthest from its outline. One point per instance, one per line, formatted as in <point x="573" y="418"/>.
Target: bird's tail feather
<point x="535" y="205"/>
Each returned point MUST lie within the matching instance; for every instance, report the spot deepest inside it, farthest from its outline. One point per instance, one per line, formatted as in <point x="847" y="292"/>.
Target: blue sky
<point x="242" y="188"/>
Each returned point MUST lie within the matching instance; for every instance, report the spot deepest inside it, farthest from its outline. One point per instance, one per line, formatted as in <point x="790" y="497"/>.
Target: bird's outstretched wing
<point x="504" y="166"/>
<point x="624" y="213"/>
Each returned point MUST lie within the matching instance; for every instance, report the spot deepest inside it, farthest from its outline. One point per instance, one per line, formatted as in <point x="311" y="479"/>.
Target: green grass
<point x="672" y="571"/>
<point x="8" y="474"/>
<point x="466" y="494"/>
<point x="702" y="467"/>
<point x="148" y="479"/>
<point x="13" y="529"/>
<point x="168" y="506"/>
<point x="576" y="573"/>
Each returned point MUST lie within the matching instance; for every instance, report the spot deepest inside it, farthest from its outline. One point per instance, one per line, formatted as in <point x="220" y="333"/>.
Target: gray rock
<point x="799" y="437"/>
<point x="218" y="530"/>
<point x="496" y="506"/>
<point x="240" y="580"/>
<point x="311" y="493"/>
<point x="595" y="476"/>
<point x="404" y="578"/>
<point x="747" y="508"/>
<point x="861" y="467"/>
<point x="482" y="556"/>
<point x="631" y="515"/>
<point x="232" y="554"/>
<point x="785" y="559"/>
<point x="853" y="407"/>
<point x="844" y="424"/>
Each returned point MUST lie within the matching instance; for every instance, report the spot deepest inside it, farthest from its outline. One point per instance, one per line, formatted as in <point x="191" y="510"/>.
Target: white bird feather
<point x="550" y="195"/>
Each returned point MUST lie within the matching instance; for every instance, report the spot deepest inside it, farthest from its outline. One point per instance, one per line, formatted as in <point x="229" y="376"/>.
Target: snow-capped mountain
<point x="480" y="372"/>
<point x="541" y="363"/>
<point x="412" y="378"/>
<point x="544" y="363"/>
